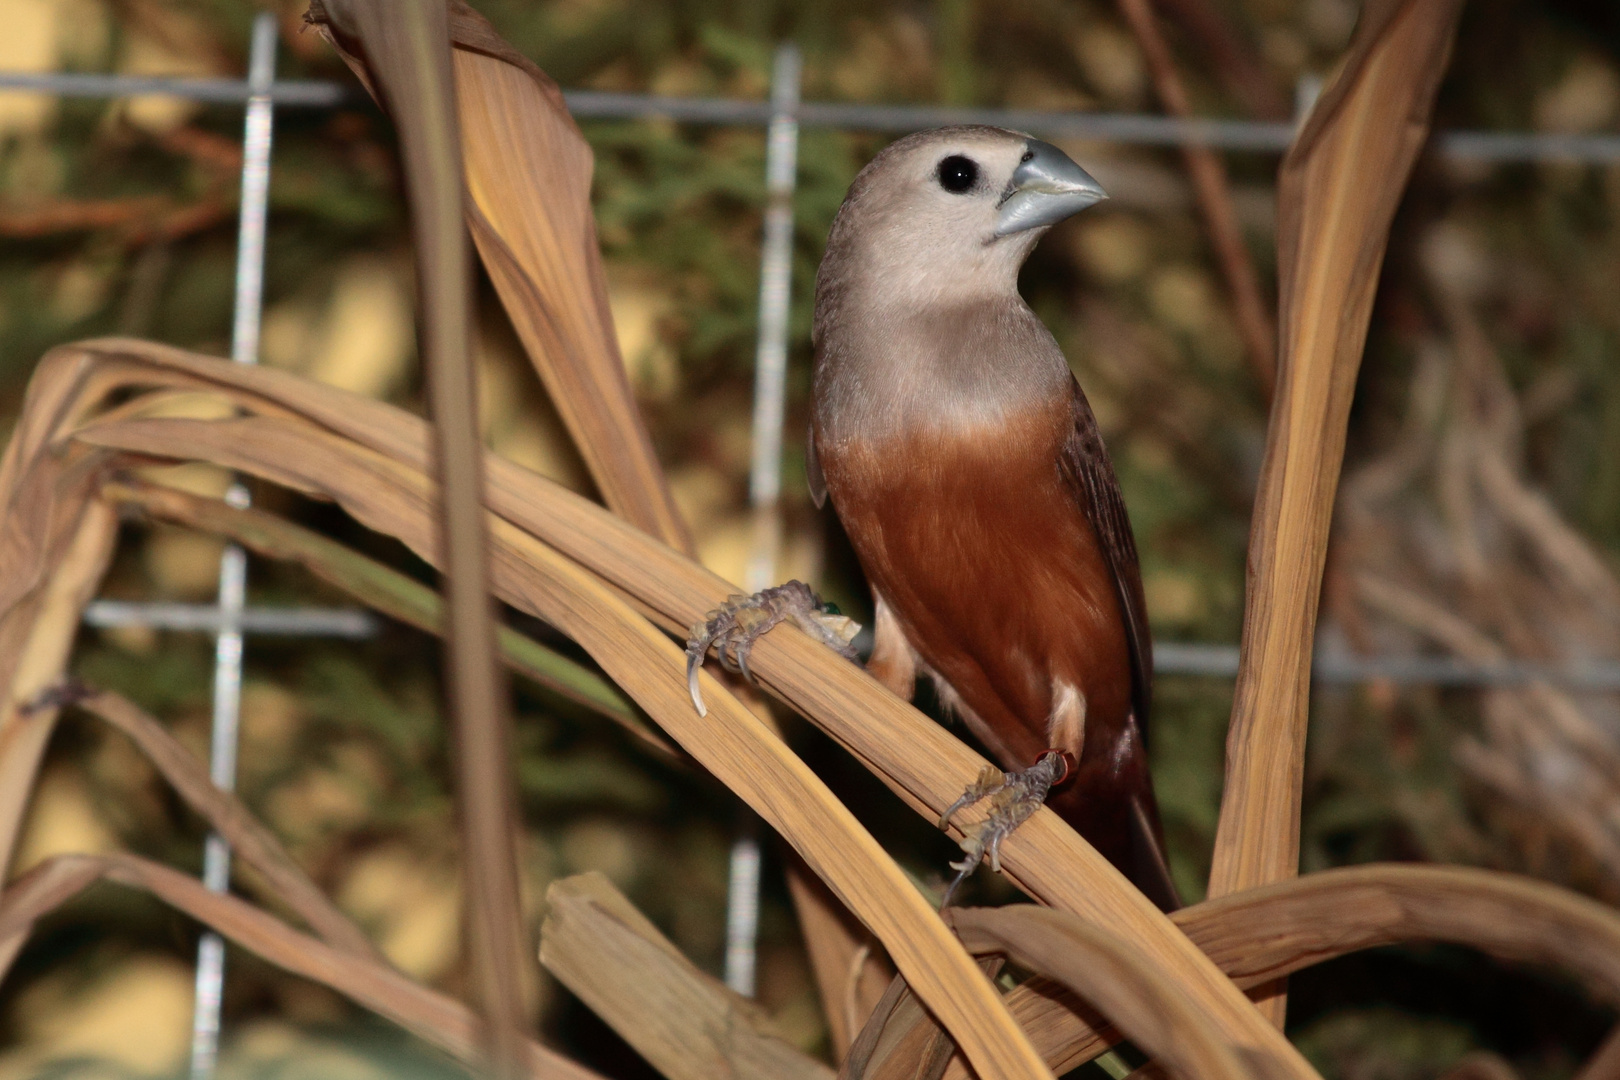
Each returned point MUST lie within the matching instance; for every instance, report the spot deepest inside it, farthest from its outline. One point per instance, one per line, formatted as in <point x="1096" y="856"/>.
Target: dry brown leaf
<point x="384" y="487"/>
<point x="37" y="630"/>
<point x="733" y="743"/>
<point x="380" y="589"/>
<point x="1152" y="1011"/>
<point x="849" y="968"/>
<point x="1262" y="934"/>
<point x="254" y="844"/>
<point x="406" y="44"/>
<point x="55" y="543"/>
<point x="901" y="1039"/>
<point x="1338" y="190"/>
<point x="440" y="1020"/>
<point x="528" y="174"/>
<point x="687" y="1024"/>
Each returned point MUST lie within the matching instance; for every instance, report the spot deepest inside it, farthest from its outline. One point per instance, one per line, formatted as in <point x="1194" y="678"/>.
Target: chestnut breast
<point x="981" y="548"/>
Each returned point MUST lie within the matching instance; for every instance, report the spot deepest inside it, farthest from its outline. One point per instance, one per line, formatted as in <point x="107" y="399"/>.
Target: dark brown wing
<point x="1088" y="471"/>
<point x="812" y="470"/>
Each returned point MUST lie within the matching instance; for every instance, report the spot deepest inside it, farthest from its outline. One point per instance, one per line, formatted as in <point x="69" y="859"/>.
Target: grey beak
<point x="1046" y="187"/>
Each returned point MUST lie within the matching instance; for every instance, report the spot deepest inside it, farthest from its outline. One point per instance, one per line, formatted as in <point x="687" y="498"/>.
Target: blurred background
<point x="1479" y="517"/>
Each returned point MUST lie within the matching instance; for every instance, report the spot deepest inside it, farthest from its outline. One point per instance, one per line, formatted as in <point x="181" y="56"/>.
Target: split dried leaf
<point x="434" y="1017"/>
<point x="1338" y="190"/>
<point x="568" y="561"/>
<point x="687" y="1024"/>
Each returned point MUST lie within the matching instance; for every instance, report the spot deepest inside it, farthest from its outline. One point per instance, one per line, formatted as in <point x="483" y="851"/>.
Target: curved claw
<point x="694" y="662"/>
<point x="960" y="804"/>
<point x="990" y="781"/>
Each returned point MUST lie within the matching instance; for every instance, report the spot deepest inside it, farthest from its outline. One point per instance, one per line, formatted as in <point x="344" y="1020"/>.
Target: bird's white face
<point x="958" y="209"/>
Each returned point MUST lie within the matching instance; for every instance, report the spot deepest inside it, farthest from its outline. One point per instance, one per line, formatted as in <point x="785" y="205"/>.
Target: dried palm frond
<point x="1262" y="934"/>
<point x="436" y="1018"/>
<point x="689" y="1025"/>
<point x="300" y="435"/>
<point x="619" y="585"/>
<point x="1337" y="193"/>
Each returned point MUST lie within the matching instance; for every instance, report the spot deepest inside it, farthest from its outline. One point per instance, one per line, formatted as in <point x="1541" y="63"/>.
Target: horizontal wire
<point x="288" y="622"/>
<point x="1137" y="129"/>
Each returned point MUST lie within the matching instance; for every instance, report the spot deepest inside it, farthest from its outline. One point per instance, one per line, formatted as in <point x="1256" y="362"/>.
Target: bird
<point x="967" y="469"/>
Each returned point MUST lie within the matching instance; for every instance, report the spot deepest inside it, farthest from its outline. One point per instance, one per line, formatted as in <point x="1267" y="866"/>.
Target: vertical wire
<point x="233" y="562"/>
<point x="775" y="281"/>
<point x="765" y="474"/>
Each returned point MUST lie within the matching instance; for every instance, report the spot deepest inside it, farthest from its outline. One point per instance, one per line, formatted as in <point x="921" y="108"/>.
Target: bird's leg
<point x="734" y="627"/>
<point x="1013" y="796"/>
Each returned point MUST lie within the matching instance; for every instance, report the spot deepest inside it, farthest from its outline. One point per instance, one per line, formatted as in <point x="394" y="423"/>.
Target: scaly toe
<point x="990" y="781"/>
<point x="1014" y="797"/>
<point x="733" y="628"/>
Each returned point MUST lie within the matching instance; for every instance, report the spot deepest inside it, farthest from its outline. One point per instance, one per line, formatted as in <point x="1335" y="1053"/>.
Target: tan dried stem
<point x="37" y="628"/>
<point x="1261" y="934"/>
<point x="528" y="174"/>
<point x="1150" y="1011"/>
<point x="407" y="47"/>
<point x="371" y="459"/>
<point x="380" y="589"/>
<point x="1338" y="191"/>
<point x="687" y="1024"/>
<point x="436" y="1018"/>
<point x="849" y="970"/>
<point x="250" y="840"/>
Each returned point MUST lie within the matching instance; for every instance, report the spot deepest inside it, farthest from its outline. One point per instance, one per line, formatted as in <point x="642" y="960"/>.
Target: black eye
<point x="957" y="173"/>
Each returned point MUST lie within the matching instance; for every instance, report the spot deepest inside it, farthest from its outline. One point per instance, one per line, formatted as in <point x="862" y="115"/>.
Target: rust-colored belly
<point x="988" y="561"/>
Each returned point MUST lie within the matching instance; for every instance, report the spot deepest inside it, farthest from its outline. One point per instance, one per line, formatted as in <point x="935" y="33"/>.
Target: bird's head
<point x="958" y="207"/>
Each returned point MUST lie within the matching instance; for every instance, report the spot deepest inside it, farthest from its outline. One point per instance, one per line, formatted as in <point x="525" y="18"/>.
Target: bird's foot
<point x="1013" y="796"/>
<point x="733" y="628"/>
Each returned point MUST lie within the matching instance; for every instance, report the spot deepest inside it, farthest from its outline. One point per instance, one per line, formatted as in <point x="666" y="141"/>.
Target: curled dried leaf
<point x="440" y="1020"/>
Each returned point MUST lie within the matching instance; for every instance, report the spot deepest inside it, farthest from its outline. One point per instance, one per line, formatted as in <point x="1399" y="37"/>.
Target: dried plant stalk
<point x="252" y="842"/>
<point x="370" y="457"/>
<point x="1262" y="934"/>
<point x="440" y="1020"/>
<point x="407" y="47"/>
<point x="687" y="1024"/>
<point x="732" y="742"/>
<point x="847" y="963"/>
<point x="528" y="172"/>
<point x="1151" y="1010"/>
<point x="1338" y="191"/>
<point x="55" y="543"/>
<point x="901" y="1038"/>
<point x="383" y="590"/>
<point x="36" y="635"/>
